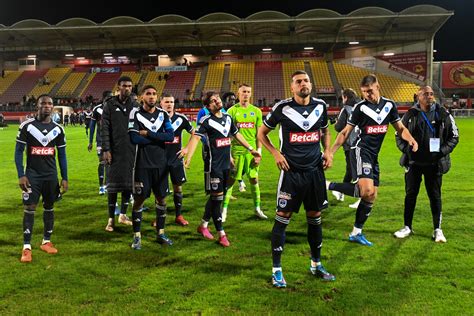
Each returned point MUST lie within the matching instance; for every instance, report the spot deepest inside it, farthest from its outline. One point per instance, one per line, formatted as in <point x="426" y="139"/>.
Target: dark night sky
<point x="455" y="40"/>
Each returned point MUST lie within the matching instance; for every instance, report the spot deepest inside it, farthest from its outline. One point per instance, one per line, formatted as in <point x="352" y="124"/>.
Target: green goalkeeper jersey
<point x="248" y="120"/>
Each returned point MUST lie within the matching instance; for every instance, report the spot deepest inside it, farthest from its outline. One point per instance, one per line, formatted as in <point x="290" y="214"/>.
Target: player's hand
<point x="24" y="184"/>
<point x="89" y="147"/>
<point x="183" y="152"/>
<point x="107" y="157"/>
<point x="281" y="162"/>
<point x="64" y="186"/>
<point x="187" y="162"/>
<point x="327" y="159"/>
<point x="257" y="157"/>
<point x="413" y="144"/>
<point x="143" y="132"/>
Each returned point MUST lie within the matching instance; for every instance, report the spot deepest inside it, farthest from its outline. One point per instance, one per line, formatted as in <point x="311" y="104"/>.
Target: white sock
<point x="139" y="235"/>
<point x="314" y="264"/>
<point x="356" y="231"/>
<point x="276" y="269"/>
<point x="27" y="246"/>
<point x="221" y="233"/>
<point x="204" y="223"/>
<point x="45" y="241"/>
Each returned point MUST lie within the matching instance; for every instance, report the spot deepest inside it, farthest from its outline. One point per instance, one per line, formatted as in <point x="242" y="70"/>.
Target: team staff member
<point x="372" y="115"/>
<point x="118" y="151"/>
<point x="41" y="137"/>
<point x="216" y="129"/>
<point x="436" y="133"/>
<point x="303" y="127"/>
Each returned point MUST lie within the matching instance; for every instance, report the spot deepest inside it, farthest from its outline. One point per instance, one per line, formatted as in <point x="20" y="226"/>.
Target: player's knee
<point x="30" y="207"/>
<point x="368" y="193"/>
<point x="313" y="213"/>
<point x="253" y="181"/>
<point x="48" y="205"/>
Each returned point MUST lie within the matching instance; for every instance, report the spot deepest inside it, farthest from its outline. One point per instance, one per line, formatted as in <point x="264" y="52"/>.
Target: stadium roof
<point x="175" y="34"/>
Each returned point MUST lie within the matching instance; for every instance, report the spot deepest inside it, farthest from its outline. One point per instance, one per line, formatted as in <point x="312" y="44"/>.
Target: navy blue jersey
<point x="41" y="140"/>
<point x="179" y="122"/>
<point x="217" y="133"/>
<point x="151" y="155"/>
<point x="299" y="131"/>
<point x="373" y="120"/>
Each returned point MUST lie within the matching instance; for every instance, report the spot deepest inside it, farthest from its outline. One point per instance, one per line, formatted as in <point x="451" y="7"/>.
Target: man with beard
<point x="149" y="129"/>
<point x="42" y="137"/>
<point x="216" y="129"/>
<point x="118" y="150"/>
<point x="303" y="128"/>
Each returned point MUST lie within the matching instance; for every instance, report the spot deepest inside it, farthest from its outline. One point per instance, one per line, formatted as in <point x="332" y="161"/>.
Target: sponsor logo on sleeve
<point x="376" y="129"/>
<point x="42" y="151"/>
<point x="304" y="137"/>
<point x="223" y="142"/>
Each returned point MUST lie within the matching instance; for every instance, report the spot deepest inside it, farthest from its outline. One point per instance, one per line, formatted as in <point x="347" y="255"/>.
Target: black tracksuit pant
<point x="433" y="180"/>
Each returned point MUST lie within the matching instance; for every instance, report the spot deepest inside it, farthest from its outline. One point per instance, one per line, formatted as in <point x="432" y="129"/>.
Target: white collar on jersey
<point x="300" y="120"/>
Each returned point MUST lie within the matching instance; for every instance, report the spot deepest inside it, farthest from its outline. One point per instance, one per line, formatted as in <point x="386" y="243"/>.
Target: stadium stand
<point x="22" y="86"/>
<point x="320" y="71"/>
<point x="6" y="82"/>
<point x="99" y="83"/>
<point x="156" y="79"/>
<point x="54" y="77"/>
<point x="197" y="79"/>
<point x="241" y="72"/>
<point x="393" y="88"/>
<point x="179" y="82"/>
<point x="215" y="75"/>
<point x="268" y="81"/>
<point x="70" y="85"/>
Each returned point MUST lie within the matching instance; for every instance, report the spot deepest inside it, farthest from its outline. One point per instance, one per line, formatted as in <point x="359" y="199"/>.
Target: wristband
<point x="250" y="148"/>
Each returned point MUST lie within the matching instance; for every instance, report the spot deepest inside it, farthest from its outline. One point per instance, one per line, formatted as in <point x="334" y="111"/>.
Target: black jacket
<point x="447" y="132"/>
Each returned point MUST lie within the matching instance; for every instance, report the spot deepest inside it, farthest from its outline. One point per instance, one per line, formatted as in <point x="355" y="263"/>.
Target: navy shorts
<point x="307" y="187"/>
<point x="148" y="180"/>
<point x="48" y="189"/>
<point x="217" y="181"/>
<point x="367" y="165"/>
<point x="177" y="173"/>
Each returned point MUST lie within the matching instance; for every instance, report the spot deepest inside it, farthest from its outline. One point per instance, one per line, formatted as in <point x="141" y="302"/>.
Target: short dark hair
<point x="206" y="100"/>
<point x="124" y="79"/>
<point x="44" y="95"/>
<point x="148" y="86"/>
<point x="228" y="94"/>
<point x="166" y="95"/>
<point x="351" y="96"/>
<point x="298" y="72"/>
<point x="368" y="80"/>
<point x="106" y="93"/>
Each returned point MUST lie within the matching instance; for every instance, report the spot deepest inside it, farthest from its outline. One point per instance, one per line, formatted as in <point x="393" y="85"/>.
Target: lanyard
<point x="433" y="132"/>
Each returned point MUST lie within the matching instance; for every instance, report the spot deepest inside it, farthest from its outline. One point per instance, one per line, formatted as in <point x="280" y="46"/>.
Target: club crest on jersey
<point x="55" y="132"/>
<point x="245" y="115"/>
<point x="252" y="113"/>
<point x="379" y="119"/>
<point x="316" y="112"/>
<point x="44" y="141"/>
<point x="282" y="203"/>
<point x="153" y="128"/>
<point x="386" y="109"/>
<point x="305" y="124"/>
